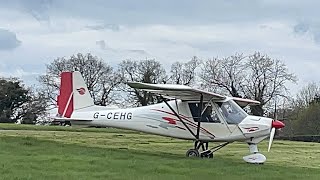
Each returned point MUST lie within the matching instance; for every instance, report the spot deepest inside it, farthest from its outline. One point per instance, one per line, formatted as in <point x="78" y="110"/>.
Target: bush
<point x="304" y="138"/>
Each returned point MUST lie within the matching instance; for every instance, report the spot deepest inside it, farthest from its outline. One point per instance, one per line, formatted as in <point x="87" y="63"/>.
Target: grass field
<point x="46" y="152"/>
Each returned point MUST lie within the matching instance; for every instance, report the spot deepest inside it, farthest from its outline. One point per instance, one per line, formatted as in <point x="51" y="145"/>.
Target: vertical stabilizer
<point x="65" y="97"/>
<point x="82" y="97"/>
<point x="73" y="95"/>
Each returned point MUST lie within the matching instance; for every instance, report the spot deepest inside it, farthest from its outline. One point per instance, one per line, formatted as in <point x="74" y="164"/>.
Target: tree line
<point x="255" y="76"/>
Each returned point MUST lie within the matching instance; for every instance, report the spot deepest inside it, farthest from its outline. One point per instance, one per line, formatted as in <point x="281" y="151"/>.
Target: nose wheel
<point x="255" y="157"/>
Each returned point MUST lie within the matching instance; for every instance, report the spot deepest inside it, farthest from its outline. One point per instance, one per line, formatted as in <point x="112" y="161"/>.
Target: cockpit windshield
<point x="232" y="112"/>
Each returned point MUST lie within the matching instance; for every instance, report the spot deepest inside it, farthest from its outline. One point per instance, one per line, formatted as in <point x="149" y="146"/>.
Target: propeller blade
<point x="273" y="131"/>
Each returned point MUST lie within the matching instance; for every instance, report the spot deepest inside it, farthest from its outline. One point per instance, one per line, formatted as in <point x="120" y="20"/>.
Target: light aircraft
<point x="185" y="113"/>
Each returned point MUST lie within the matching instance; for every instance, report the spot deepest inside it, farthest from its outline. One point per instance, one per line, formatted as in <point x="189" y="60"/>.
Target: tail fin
<point x="73" y="95"/>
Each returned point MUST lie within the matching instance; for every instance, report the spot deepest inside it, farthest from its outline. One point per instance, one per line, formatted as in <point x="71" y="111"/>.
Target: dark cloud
<point x="8" y="40"/>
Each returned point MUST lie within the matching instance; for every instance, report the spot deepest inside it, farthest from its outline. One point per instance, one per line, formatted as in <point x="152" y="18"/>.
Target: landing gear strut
<point x="255" y="157"/>
<point x="206" y="152"/>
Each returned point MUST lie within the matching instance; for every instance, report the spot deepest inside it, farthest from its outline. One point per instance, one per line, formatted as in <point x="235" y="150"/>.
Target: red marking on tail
<point x="64" y="96"/>
<point x="81" y="91"/>
<point x="170" y="120"/>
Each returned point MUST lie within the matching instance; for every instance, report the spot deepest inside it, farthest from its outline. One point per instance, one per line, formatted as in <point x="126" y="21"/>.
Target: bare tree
<point x="305" y="110"/>
<point x="184" y="73"/>
<point x="147" y="71"/>
<point x="98" y="76"/>
<point x="266" y="79"/>
<point x="257" y="77"/>
<point x="307" y="95"/>
<point x="226" y="73"/>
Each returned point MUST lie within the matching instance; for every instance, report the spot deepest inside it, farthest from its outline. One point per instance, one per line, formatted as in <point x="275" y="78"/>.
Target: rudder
<point x="74" y="94"/>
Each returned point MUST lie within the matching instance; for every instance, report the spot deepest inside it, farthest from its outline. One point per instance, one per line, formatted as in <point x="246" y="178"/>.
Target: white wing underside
<point x="173" y="91"/>
<point x="186" y="93"/>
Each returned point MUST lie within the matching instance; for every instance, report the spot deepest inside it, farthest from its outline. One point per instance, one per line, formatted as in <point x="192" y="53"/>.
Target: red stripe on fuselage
<point x="184" y="118"/>
<point x="170" y="120"/>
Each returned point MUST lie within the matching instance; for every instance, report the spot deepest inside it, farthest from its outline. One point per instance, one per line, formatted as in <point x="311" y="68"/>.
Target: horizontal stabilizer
<point x="61" y="119"/>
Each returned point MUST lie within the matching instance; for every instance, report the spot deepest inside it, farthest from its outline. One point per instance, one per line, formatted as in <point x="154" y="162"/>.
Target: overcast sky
<point x="34" y="32"/>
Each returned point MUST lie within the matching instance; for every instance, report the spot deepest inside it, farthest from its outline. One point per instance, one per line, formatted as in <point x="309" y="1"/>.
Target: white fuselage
<point x="160" y="120"/>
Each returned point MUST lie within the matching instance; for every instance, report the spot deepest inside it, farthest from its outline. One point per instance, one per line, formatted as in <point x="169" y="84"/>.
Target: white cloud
<point x="165" y="30"/>
<point x="8" y="40"/>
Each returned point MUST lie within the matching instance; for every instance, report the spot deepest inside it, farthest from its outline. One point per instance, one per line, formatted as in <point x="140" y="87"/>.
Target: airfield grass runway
<point x="46" y="152"/>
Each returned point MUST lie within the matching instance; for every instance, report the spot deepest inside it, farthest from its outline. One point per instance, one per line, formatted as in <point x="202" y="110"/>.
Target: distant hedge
<point x="304" y="138"/>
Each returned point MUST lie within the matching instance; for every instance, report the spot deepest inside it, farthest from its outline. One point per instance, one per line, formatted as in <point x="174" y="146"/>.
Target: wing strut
<point x="177" y="115"/>
<point x="197" y="136"/>
<point x="197" y="142"/>
<point x="200" y="117"/>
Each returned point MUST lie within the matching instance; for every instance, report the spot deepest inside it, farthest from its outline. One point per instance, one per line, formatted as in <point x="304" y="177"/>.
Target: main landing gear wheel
<point x="192" y="153"/>
<point x="206" y="152"/>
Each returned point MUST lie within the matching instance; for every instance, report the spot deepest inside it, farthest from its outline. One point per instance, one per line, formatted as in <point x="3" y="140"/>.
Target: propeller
<point x="274" y="125"/>
<point x="273" y="131"/>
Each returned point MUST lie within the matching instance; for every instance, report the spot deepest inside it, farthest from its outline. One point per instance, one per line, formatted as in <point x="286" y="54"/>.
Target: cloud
<point x="38" y="9"/>
<point x="29" y="77"/>
<point x="18" y="72"/>
<point x="301" y="28"/>
<point x="101" y="44"/>
<point x="8" y="40"/>
<point x="138" y="51"/>
<point x="165" y="30"/>
<point x="113" y="27"/>
<point x="311" y="29"/>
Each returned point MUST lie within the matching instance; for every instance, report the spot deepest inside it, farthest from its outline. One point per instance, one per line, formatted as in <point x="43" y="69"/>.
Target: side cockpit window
<point x="232" y="112"/>
<point x="209" y="114"/>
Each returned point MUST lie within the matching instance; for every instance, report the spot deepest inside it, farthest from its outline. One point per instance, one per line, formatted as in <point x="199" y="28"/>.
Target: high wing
<point x="245" y="102"/>
<point x="182" y="92"/>
<point x="187" y="93"/>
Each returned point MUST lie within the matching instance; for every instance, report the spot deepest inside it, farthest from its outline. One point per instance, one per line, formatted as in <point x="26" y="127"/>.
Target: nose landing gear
<point x="255" y="157"/>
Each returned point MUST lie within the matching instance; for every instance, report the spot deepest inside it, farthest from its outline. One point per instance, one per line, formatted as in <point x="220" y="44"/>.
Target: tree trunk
<point x="257" y="110"/>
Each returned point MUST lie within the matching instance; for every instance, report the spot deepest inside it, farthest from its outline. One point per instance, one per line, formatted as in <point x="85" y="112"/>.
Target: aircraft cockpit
<point x="232" y="112"/>
<point x="212" y="112"/>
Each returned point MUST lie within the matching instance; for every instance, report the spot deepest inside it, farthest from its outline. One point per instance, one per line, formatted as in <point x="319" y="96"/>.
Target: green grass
<point x="37" y="152"/>
<point x="5" y="126"/>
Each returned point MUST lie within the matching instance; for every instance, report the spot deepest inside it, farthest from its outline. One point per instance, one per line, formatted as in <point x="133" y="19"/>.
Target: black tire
<point x="207" y="155"/>
<point x="192" y="153"/>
